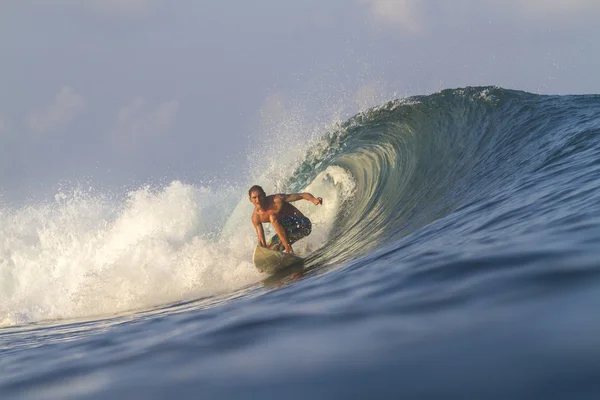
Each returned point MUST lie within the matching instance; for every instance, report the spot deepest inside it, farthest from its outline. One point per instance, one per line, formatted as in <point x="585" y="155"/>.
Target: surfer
<point x="289" y="223"/>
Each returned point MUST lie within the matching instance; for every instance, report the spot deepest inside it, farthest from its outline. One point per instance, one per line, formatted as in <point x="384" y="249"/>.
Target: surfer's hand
<point x="289" y="250"/>
<point x="318" y="200"/>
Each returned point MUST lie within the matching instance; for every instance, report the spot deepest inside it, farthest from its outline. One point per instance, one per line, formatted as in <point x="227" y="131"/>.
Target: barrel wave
<point x="456" y="255"/>
<point x="458" y="152"/>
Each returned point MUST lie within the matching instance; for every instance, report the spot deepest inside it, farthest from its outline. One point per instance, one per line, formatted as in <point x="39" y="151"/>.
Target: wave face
<point x="459" y="231"/>
<point x="467" y="152"/>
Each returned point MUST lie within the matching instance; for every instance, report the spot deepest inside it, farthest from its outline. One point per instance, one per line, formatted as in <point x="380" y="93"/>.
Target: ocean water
<point x="457" y="255"/>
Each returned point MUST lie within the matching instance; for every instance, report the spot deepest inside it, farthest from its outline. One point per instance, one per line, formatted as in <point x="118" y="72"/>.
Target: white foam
<point x="85" y="254"/>
<point x="336" y="186"/>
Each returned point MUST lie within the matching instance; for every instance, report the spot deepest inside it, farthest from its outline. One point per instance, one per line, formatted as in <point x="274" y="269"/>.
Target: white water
<point x="84" y="254"/>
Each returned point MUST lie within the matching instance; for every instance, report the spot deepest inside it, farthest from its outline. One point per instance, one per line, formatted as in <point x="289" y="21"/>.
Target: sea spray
<point x="85" y="254"/>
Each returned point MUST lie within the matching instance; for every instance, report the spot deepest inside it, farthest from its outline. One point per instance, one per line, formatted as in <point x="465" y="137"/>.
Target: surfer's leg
<point x="296" y="229"/>
<point x="299" y="228"/>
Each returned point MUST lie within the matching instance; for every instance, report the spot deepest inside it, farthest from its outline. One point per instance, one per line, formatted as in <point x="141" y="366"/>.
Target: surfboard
<point x="271" y="261"/>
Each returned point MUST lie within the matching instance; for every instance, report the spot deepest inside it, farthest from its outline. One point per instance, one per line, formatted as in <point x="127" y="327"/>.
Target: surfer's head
<point x="256" y="194"/>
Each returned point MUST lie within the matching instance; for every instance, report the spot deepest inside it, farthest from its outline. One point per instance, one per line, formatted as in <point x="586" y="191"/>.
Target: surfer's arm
<point x="260" y="232"/>
<point x="302" y="196"/>
<point x="280" y="230"/>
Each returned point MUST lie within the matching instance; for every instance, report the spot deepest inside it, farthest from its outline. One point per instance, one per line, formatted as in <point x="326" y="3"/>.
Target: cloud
<point x="560" y="5"/>
<point x="139" y="120"/>
<point x="541" y="8"/>
<point x="65" y="107"/>
<point x="415" y="16"/>
<point x="402" y="13"/>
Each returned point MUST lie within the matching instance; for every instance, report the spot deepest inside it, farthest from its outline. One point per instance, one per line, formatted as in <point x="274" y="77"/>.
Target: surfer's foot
<point x="278" y="247"/>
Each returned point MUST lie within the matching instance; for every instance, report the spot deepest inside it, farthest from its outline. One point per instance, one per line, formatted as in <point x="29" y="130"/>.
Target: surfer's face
<point x="257" y="197"/>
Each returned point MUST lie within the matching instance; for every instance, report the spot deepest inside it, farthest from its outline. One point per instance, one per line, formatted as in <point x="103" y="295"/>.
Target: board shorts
<point x="295" y="227"/>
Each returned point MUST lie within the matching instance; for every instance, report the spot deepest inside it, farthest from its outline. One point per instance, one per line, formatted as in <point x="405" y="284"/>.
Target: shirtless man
<point x="289" y="223"/>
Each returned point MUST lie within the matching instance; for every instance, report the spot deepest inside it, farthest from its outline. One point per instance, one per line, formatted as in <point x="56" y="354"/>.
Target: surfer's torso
<point x="277" y="207"/>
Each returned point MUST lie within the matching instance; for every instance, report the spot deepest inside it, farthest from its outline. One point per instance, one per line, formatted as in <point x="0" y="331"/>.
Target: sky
<point x="118" y="92"/>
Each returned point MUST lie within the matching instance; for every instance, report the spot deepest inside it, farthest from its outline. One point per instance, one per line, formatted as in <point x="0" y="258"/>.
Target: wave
<point x="416" y="160"/>
<point x="384" y="174"/>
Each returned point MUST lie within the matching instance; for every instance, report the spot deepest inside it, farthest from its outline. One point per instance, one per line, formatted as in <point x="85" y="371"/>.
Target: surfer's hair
<point x="255" y="188"/>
